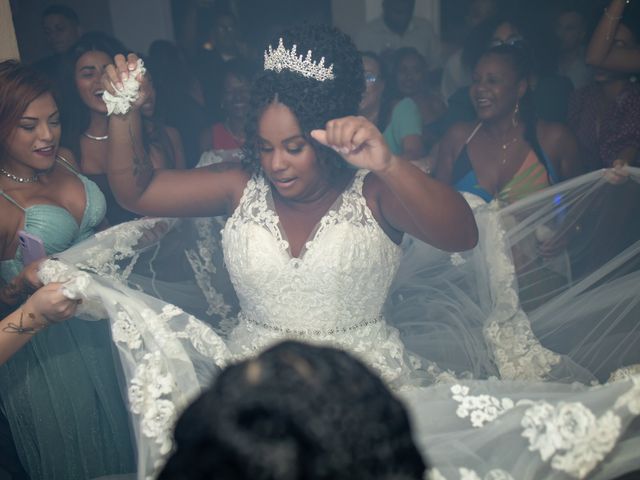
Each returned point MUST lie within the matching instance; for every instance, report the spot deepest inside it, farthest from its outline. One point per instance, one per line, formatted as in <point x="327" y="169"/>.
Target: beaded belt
<point x="310" y="331"/>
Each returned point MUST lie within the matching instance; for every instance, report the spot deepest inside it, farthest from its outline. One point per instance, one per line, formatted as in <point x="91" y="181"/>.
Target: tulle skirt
<point x="519" y="358"/>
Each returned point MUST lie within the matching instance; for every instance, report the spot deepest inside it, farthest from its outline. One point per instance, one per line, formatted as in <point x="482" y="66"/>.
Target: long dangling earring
<point x="514" y="117"/>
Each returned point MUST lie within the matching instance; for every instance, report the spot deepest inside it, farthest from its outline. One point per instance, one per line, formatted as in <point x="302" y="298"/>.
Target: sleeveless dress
<point x="60" y="391"/>
<point x="333" y="293"/>
<point x="533" y="175"/>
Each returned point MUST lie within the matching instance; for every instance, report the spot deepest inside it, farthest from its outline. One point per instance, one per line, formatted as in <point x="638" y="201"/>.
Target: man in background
<point x="62" y="28"/>
<point x="399" y="28"/>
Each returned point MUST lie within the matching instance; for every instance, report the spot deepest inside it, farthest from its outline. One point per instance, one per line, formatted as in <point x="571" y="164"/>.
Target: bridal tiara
<point x="283" y="59"/>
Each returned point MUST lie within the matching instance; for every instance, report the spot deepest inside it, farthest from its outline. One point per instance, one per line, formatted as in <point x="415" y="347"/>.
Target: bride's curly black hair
<point x="296" y="412"/>
<point x="312" y="102"/>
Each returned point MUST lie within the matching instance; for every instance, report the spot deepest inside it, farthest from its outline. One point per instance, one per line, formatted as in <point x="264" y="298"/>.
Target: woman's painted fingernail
<point x="120" y="86"/>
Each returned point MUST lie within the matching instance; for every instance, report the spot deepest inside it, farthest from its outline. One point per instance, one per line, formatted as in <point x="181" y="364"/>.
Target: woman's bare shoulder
<point x="69" y="158"/>
<point x="459" y="132"/>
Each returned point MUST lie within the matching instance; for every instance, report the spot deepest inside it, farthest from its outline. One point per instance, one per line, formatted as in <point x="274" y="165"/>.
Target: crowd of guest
<point x="517" y="106"/>
<point x="418" y="85"/>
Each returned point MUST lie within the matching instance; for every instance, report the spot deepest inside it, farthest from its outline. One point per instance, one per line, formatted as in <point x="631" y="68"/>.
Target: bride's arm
<point x="408" y="200"/>
<point x="138" y="187"/>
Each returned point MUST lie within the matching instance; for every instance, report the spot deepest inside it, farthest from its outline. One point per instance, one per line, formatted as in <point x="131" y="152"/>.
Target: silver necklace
<point x="504" y="148"/>
<point x="93" y="137"/>
<point x="18" y="179"/>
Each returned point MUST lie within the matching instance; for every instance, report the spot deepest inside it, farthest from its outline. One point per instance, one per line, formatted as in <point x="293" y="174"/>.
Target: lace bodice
<point x="340" y="280"/>
<point x="332" y="293"/>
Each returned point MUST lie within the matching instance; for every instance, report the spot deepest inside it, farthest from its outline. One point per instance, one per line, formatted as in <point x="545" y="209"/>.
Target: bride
<point x="312" y="246"/>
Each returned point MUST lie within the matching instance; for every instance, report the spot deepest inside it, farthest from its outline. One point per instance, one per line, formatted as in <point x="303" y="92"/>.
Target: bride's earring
<point x="516" y="113"/>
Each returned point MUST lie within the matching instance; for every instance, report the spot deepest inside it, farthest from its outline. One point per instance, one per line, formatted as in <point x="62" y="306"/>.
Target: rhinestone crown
<point x="283" y="59"/>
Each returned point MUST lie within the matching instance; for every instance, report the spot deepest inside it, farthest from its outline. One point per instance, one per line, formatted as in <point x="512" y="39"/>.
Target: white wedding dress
<point x="333" y="293"/>
<point x="446" y="331"/>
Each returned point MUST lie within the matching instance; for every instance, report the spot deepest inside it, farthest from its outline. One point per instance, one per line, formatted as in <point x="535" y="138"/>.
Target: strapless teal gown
<point x="60" y="392"/>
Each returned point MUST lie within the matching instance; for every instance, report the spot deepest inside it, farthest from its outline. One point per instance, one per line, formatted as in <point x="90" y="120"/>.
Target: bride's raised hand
<point x="358" y="141"/>
<point x="117" y="74"/>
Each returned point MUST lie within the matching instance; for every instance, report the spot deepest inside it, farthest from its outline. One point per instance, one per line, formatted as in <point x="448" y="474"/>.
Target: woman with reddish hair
<point x="59" y="390"/>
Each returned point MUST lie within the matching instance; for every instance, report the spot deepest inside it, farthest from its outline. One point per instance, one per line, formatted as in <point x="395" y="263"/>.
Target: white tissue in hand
<point x="120" y="103"/>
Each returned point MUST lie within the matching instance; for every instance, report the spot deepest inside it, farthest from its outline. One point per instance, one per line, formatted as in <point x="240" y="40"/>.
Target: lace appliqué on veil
<point x="122" y="242"/>
<point x="206" y="258"/>
<point x="517" y="352"/>
<point x="567" y="435"/>
<point x="480" y="409"/>
<point x="202" y="261"/>
<point x="154" y="393"/>
<point x="631" y="399"/>
<point x="163" y="345"/>
<point x="148" y="397"/>
<point x="570" y="436"/>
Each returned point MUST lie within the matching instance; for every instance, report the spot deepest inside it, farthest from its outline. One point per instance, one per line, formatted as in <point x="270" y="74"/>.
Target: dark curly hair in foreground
<point x="313" y="103"/>
<point x="296" y="412"/>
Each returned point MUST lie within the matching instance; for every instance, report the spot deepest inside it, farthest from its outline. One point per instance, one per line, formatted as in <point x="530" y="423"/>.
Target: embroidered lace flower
<point x="631" y="399"/>
<point x="570" y="436"/>
<point x="480" y="409"/>
<point x="517" y="351"/>
<point x="147" y="388"/>
<point x="457" y="259"/>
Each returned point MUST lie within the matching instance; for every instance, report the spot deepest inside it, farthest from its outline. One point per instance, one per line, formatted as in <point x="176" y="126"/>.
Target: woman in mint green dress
<point x="59" y="392"/>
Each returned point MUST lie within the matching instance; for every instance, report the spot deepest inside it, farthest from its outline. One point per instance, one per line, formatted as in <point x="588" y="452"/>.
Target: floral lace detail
<point x="457" y="259"/>
<point x="206" y="258"/>
<point x="203" y="262"/>
<point x="625" y="373"/>
<point x="570" y="435"/>
<point x="517" y="352"/>
<point x="77" y="285"/>
<point x="480" y="409"/>
<point x="122" y="242"/>
<point x="205" y="341"/>
<point x="148" y="392"/>
<point x="631" y="399"/>
<point x="154" y="393"/>
<point x="124" y="330"/>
